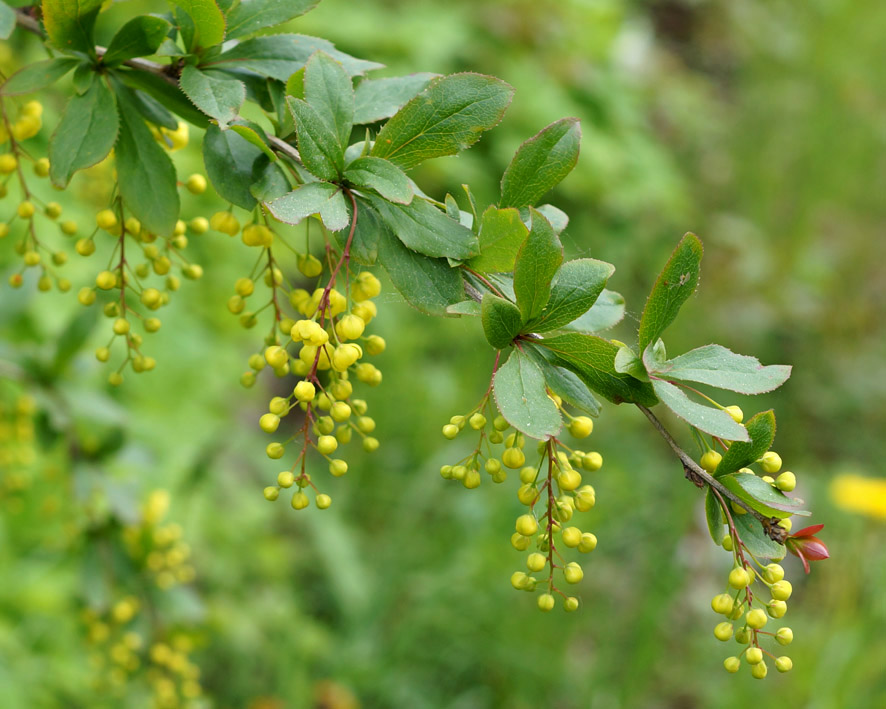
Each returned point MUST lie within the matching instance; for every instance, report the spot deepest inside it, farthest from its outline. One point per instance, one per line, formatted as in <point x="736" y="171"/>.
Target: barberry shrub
<point x="313" y="157"/>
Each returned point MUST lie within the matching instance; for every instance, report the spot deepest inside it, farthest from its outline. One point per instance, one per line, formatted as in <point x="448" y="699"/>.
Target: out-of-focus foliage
<point x="756" y="125"/>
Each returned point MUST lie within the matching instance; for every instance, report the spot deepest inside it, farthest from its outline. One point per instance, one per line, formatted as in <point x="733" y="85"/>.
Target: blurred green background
<point x="757" y="125"/>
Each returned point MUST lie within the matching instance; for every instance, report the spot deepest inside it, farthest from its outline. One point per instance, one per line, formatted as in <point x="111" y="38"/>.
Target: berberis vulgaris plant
<point x="321" y="167"/>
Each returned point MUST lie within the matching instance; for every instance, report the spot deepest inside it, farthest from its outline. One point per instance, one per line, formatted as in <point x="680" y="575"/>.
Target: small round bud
<point x="305" y="391"/>
<point x="106" y="280"/>
<point x="513" y="458"/>
<point x="526" y="525"/>
<point x="739" y="578"/>
<point x="121" y="326"/>
<point x="710" y="460"/>
<point x="723" y="631"/>
<point x="370" y="444"/>
<point x="786" y="482"/>
<point x="285" y="479"/>
<point x="546" y="602"/>
<point x="781" y="590"/>
<point x="269" y="423"/>
<point x="519" y="542"/>
<point x="784" y="664"/>
<point x="571" y="537"/>
<point x="573" y="572"/>
<point x="581" y="427"/>
<point x="754" y="655"/>
<point x="323" y="501"/>
<point x="450" y="431"/>
<point x="275" y="450"/>
<point x="784" y="636"/>
<point x="756" y="619"/>
<point x="477" y="421"/>
<point x="588" y="542"/>
<point x="777" y="609"/>
<point x="519" y="580"/>
<point x="722" y="604"/>
<point x="770" y="462"/>
<point x="727" y="542"/>
<point x="773" y="573"/>
<point x="26" y="210"/>
<point x="106" y="219"/>
<point x="732" y="664"/>
<point x="536" y="561"/>
<point x="592" y="461"/>
<point x="196" y="184"/>
<point x="326" y="444"/>
<point x="759" y="670"/>
<point x="735" y="412"/>
<point x="271" y="493"/>
<point x="300" y="500"/>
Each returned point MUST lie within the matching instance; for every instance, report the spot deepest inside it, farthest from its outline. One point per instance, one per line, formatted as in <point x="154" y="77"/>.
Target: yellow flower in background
<point x="865" y="496"/>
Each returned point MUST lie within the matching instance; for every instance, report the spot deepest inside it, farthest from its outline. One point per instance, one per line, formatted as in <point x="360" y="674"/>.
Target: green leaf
<point x="466" y="307"/>
<point x="151" y="109"/>
<point x="7" y="20"/>
<point x="762" y="497"/>
<point x="318" y="146"/>
<point x="85" y="134"/>
<point x="627" y="362"/>
<point x="37" y="76"/>
<point x="592" y="359"/>
<point x="676" y="283"/>
<point x="328" y="89"/>
<point x="364" y="244"/>
<point x="279" y="56"/>
<point x="502" y="232"/>
<point x="721" y="368"/>
<point x="425" y="229"/>
<point x="522" y="398"/>
<point x="540" y="163"/>
<point x="537" y="261"/>
<point x="165" y="93"/>
<point x="429" y="285"/>
<point x="607" y="312"/>
<point x="377" y="99"/>
<point x="70" y="24"/>
<point x="501" y="320"/>
<point x="576" y="287"/>
<point x="754" y="537"/>
<point x="233" y="165"/>
<point x="383" y="177"/>
<point x="145" y="174"/>
<point x="444" y="119"/>
<point x="139" y="37"/>
<point x="557" y="217"/>
<point x="209" y="22"/>
<point x="761" y="429"/>
<point x="564" y="383"/>
<point x="251" y="15"/>
<point x="313" y="198"/>
<point x="255" y="134"/>
<point x="82" y="78"/>
<point x="714" y="515"/>
<point x="220" y="99"/>
<point x="716" y="422"/>
<point x="270" y="184"/>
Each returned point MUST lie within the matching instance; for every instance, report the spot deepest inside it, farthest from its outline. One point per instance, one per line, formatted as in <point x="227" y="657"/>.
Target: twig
<point x="31" y="24"/>
<point x="701" y="477"/>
